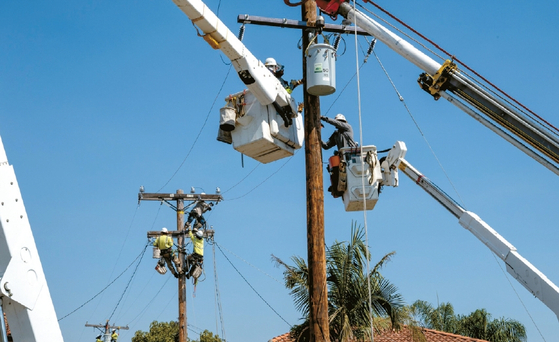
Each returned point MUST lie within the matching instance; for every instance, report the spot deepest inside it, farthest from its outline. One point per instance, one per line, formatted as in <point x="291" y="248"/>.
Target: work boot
<point x="176" y="275"/>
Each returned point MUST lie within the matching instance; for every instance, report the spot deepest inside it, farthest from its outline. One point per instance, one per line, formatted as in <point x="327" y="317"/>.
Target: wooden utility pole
<point x="319" y="327"/>
<point x="179" y="197"/>
<point x="107" y="327"/>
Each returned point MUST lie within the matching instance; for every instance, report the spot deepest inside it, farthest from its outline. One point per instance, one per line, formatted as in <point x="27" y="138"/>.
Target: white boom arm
<point x="24" y="294"/>
<point x="441" y="80"/>
<point x="259" y="80"/>
<point x="521" y="269"/>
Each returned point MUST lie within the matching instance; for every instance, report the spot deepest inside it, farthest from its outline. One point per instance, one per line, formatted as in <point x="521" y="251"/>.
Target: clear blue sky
<point x="100" y="97"/>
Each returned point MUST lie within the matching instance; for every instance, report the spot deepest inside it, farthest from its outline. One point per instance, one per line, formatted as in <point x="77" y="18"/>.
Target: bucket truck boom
<point x="259" y="80"/>
<point x="521" y="269"/>
<point x="446" y="81"/>
<point x="24" y="294"/>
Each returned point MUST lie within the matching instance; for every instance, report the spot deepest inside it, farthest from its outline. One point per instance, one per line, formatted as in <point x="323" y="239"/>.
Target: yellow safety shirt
<point x="198" y="244"/>
<point x="163" y="242"/>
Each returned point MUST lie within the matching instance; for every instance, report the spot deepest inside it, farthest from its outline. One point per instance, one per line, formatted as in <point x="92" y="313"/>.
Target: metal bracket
<point x="438" y="82"/>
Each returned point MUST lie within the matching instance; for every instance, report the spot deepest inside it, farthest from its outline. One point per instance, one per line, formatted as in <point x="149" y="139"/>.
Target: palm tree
<point x="348" y="291"/>
<point x="478" y="324"/>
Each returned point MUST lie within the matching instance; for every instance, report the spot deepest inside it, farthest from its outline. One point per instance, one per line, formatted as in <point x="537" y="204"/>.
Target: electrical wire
<point x="463" y="64"/>
<point x="251" y="265"/>
<point x="130" y="281"/>
<point x="201" y="129"/>
<point x="253" y="289"/>
<point x="265" y="180"/>
<point x="106" y="287"/>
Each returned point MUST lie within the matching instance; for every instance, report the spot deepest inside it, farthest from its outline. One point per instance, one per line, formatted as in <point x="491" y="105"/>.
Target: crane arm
<point x="444" y="80"/>
<point x="521" y="269"/>
<point x="258" y="79"/>
<point x="24" y="294"/>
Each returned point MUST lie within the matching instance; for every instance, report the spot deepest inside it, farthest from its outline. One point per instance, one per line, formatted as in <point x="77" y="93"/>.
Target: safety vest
<point x="198" y="244"/>
<point x="163" y="242"/>
<point x="114" y="336"/>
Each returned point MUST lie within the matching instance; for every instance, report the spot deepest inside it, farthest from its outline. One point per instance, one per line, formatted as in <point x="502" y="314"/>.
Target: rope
<point x="106" y="287"/>
<point x="218" y="298"/>
<point x="357" y="72"/>
<point x="129" y="281"/>
<point x="253" y="289"/>
<point x="401" y="98"/>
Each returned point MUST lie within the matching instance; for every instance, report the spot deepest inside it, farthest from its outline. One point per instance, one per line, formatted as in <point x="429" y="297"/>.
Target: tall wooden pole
<point x="183" y="332"/>
<point x="319" y="328"/>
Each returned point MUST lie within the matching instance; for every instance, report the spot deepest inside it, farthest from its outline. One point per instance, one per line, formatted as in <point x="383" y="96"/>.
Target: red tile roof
<point x="7" y="327"/>
<point x="403" y="335"/>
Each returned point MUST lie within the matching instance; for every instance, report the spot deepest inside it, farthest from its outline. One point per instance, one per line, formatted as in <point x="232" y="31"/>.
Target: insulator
<point x="337" y="41"/>
<point x="242" y="32"/>
<point x="371" y="47"/>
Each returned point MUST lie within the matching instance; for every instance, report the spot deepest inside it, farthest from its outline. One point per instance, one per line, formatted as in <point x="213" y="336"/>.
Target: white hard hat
<point x="340" y="117"/>
<point x="199" y="234"/>
<point x="163" y="230"/>
<point x="270" y="62"/>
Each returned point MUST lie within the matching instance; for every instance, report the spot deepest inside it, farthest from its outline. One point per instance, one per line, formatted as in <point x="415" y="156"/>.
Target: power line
<point x="106" y="287"/>
<point x="129" y="281"/>
<point x="199" y="132"/>
<point x="253" y="289"/>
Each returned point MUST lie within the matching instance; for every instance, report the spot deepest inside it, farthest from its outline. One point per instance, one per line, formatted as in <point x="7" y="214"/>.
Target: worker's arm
<point x="330" y="143"/>
<point x="340" y="125"/>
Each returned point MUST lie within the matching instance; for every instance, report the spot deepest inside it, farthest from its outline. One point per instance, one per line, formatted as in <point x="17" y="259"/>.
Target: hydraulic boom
<point x="521" y="269"/>
<point x="503" y="118"/>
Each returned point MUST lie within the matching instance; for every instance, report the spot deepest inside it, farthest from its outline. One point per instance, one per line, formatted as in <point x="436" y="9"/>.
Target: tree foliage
<point x="477" y="324"/>
<point x="349" y="307"/>
<point x="158" y="332"/>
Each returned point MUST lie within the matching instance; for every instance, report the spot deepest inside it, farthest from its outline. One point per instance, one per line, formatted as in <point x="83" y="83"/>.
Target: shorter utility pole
<point x="107" y="327"/>
<point x="179" y="197"/>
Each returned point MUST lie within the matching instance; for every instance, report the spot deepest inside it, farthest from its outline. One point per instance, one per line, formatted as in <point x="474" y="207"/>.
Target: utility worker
<point x="98" y="339"/>
<point x="277" y="70"/>
<point x="342" y="136"/>
<point x="198" y="254"/>
<point x="114" y="336"/>
<point x="197" y="213"/>
<point x="165" y="243"/>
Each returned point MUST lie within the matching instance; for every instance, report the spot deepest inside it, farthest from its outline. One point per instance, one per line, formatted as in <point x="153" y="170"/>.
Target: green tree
<point x="478" y="324"/>
<point x="207" y="336"/>
<point x="158" y="332"/>
<point x="348" y="291"/>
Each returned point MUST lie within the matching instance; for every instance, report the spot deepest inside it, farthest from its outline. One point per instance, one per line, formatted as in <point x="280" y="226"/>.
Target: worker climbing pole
<point x="180" y="197"/>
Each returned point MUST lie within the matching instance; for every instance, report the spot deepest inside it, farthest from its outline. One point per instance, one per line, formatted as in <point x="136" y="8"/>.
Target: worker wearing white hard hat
<point x="165" y="243"/>
<point x="277" y="70"/>
<point x="342" y="136"/>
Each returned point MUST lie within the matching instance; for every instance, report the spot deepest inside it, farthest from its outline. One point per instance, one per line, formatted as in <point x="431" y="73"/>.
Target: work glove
<point x="323" y="118"/>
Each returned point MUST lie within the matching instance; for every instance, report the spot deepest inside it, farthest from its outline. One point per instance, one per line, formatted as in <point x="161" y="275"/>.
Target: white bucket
<point x="156" y="253"/>
<point x="321" y="69"/>
<point x="228" y="115"/>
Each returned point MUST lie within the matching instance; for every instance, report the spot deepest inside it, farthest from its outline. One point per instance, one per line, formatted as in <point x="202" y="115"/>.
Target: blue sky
<point x="100" y="97"/>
